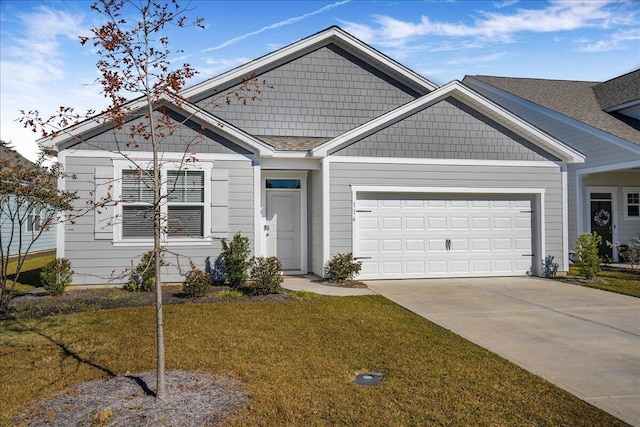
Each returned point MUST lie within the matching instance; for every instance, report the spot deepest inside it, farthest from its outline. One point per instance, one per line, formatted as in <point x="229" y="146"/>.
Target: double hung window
<point x="632" y="203"/>
<point x="182" y="207"/>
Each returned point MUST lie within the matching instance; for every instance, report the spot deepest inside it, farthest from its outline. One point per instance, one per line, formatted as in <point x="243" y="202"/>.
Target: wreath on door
<point x="601" y="218"/>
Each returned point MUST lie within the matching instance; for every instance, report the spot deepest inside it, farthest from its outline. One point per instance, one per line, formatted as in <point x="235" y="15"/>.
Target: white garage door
<point x="416" y="235"/>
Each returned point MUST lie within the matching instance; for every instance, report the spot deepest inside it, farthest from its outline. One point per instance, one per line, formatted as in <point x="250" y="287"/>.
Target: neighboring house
<point x="10" y="236"/>
<point x="602" y="122"/>
<point x="347" y="151"/>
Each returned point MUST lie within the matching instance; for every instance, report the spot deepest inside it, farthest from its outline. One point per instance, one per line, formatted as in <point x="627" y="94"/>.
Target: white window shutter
<point x="103" y="216"/>
<point x="220" y="203"/>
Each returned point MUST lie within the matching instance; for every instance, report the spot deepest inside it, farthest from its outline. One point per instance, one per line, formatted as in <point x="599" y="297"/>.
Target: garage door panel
<point x="405" y="235"/>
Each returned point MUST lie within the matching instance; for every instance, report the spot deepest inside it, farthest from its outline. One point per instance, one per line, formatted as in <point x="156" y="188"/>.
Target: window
<point x="185" y="203"/>
<point x="184" y="209"/>
<point x="137" y="204"/>
<point x="632" y="203"/>
<point x="34" y="222"/>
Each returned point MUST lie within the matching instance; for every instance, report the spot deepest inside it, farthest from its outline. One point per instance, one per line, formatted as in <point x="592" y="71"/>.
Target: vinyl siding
<point x="448" y="129"/>
<point x="321" y="94"/>
<point x="343" y="175"/>
<point x="45" y="242"/>
<point x="102" y="262"/>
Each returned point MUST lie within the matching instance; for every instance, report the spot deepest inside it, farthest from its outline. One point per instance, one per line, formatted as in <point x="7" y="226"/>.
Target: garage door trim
<point x="538" y="205"/>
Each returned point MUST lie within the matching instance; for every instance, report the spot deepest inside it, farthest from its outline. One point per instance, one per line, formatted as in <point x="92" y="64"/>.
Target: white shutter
<point x="103" y="216"/>
<point x="220" y="203"/>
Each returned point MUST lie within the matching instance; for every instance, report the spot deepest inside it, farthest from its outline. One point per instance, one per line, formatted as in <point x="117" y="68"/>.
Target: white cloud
<point x="615" y="42"/>
<point x="476" y="59"/>
<point x="492" y="27"/>
<point x="505" y="3"/>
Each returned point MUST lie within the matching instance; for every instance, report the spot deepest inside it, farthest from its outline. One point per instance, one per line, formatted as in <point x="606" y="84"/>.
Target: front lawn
<point x="621" y="282"/>
<point x="296" y="358"/>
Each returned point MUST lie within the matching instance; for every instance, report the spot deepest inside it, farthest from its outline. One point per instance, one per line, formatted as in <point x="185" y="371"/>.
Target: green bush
<point x="587" y="254"/>
<point x="235" y="260"/>
<point x="56" y="275"/>
<point x="343" y="267"/>
<point x="265" y="276"/>
<point x="196" y="284"/>
<point x="143" y="276"/>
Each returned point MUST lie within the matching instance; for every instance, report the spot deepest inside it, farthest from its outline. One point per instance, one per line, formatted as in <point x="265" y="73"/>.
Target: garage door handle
<point x="528" y="254"/>
<point x="361" y="257"/>
<point x="362" y="211"/>
<point x="447" y="244"/>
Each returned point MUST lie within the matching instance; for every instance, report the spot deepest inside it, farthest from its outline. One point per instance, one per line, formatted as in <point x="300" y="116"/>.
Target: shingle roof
<point x="574" y="99"/>
<point x="6" y="152"/>
<point x="619" y="91"/>
<point x="292" y="143"/>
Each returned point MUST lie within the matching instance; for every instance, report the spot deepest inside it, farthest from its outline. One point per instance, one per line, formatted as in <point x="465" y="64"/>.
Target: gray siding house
<point x="602" y="122"/>
<point x="346" y="151"/>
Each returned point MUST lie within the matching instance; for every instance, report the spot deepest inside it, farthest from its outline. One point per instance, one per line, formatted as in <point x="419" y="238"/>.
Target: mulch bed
<point x="75" y="301"/>
<point x="193" y="399"/>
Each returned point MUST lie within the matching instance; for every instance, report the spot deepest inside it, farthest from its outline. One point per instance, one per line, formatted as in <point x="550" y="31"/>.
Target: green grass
<point x="614" y="281"/>
<point x="297" y="360"/>
<point x="30" y="275"/>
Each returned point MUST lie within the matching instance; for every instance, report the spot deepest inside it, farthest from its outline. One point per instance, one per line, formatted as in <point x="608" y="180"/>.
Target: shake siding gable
<point x="321" y="94"/>
<point x="448" y="129"/>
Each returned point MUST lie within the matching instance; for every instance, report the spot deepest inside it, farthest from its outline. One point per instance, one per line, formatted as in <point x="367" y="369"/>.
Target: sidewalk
<point x="311" y="283"/>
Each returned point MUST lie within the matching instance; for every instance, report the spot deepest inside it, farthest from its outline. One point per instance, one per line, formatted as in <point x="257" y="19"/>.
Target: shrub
<point x="549" y="267"/>
<point x="342" y="267"/>
<point x="587" y="254"/>
<point x="143" y="276"/>
<point x="235" y="260"/>
<point x="265" y="276"/>
<point x="56" y="275"/>
<point x="630" y="253"/>
<point x="196" y="284"/>
<point x="229" y="294"/>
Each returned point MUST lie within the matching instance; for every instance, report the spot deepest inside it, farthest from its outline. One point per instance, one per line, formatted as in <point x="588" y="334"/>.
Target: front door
<point x="283" y="226"/>
<point x="602" y="221"/>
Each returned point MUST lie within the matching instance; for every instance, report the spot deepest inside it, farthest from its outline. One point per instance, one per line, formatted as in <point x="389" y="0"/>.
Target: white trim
<point x="290" y="163"/>
<point x="290" y="174"/>
<point x="323" y="38"/>
<point x="565" y="219"/>
<point x="469" y="97"/>
<point x="258" y="223"/>
<point x="122" y="164"/>
<point x="148" y="155"/>
<point x="614" y="212"/>
<point x="444" y="162"/>
<point x="326" y="212"/>
<point x="609" y="168"/>
<point x="461" y="190"/>
<point x="538" y="202"/>
<point x="622" y="143"/>
<point x="625" y="192"/>
<point x="60" y="227"/>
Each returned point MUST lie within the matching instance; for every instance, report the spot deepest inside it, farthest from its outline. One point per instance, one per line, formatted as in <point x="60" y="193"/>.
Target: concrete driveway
<point x="584" y="340"/>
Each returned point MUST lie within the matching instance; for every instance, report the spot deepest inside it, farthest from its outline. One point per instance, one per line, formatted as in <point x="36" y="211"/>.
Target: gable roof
<point x="459" y="91"/>
<point x="13" y="157"/>
<point x="619" y="91"/>
<point x="574" y="99"/>
<point x="332" y="35"/>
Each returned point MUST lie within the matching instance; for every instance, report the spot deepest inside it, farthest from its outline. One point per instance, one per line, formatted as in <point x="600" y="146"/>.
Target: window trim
<point x="34" y="221"/>
<point x="626" y="191"/>
<point x="202" y="166"/>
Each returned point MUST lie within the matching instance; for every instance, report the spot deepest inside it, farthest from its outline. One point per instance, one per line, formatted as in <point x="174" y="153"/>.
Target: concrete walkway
<point x="584" y="340"/>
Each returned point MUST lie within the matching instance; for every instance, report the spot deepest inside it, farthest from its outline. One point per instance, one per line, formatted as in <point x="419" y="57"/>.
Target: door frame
<point x="287" y="174"/>
<point x="614" y="212"/>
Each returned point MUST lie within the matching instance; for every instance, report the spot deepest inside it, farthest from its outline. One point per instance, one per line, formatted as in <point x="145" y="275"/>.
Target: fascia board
<point x="325" y="37"/>
<point x="463" y="93"/>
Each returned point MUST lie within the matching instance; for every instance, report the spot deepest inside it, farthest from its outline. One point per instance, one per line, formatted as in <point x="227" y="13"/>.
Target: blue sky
<point x="43" y="65"/>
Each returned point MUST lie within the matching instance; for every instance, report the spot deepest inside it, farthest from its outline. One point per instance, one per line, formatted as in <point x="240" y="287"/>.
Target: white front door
<point x="283" y="227"/>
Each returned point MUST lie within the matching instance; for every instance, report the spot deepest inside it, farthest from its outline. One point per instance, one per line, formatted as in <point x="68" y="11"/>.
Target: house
<point x="601" y="120"/>
<point x="21" y="224"/>
<point x="347" y="151"/>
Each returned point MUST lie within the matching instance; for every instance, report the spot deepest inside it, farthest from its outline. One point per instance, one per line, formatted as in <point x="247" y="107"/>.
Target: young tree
<point x="134" y="61"/>
<point x="27" y="191"/>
